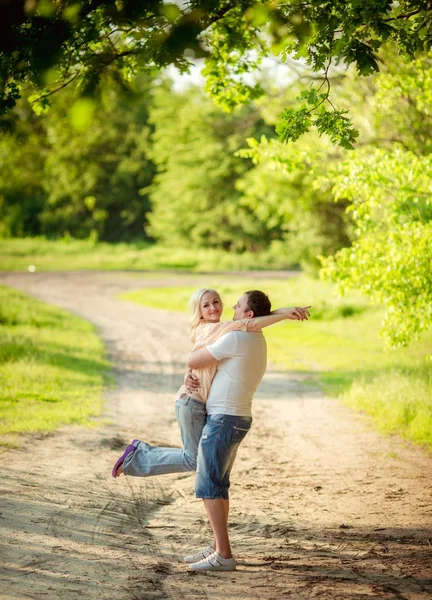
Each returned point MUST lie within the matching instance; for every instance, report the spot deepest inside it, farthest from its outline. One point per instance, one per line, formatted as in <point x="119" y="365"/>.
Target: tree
<point x="83" y="169"/>
<point x="298" y="218"/>
<point x="22" y="158"/>
<point x="390" y="196"/>
<point x="391" y="257"/>
<point x="194" y="196"/>
<point x="50" y="44"/>
<point x="98" y="169"/>
<point x="402" y="100"/>
<point x="385" y="186"/>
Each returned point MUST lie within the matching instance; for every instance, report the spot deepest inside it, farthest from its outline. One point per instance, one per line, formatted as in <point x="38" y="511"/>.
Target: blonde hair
<point x="195" y="308"/>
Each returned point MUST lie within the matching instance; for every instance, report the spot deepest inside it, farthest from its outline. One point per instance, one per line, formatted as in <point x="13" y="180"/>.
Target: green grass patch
<point x="68" y="254"/>
<point x="52" y="366"/>
<point x="398" y="401"/>
<point x="339" y="346"/>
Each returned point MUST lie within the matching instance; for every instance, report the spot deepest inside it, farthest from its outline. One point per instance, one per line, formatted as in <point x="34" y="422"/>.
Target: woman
<point x="142" y="460"/>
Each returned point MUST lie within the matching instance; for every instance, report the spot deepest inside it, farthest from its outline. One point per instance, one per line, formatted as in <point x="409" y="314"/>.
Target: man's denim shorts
<point x="221" y="437"/>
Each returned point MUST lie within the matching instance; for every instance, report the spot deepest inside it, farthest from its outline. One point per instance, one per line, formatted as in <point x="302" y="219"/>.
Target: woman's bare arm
<point x="296" y="313"/>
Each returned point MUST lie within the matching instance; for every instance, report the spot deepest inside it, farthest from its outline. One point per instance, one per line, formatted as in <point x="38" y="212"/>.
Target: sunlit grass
<point x="73" y="255"/>
<point x="339" y="346"/>
<point x="52" y="366"/>
<point x="398" y="401"/>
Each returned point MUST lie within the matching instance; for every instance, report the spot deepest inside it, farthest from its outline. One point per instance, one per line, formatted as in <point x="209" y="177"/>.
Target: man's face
<point x="241" y="310"/>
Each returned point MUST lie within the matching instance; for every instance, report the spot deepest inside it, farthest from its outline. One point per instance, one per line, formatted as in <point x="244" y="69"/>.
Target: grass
<point x="339" y="346"/>
<point x="398" y="401"/>
<point x="52" y="366"/>
<point x="68" y="254"/>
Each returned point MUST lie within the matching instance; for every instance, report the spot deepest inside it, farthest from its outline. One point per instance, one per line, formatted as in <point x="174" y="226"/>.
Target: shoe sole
<point x="130" y="448"/>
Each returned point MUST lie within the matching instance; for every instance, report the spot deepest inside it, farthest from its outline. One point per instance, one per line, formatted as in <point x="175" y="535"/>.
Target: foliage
<point x="295" y="122"/>
<point x="391" y="258"/>
<point x="233" y="204"/>
<point x="22" y="157"/>
<point x="386" y="194"/>
<point x="193" y="147"/>
<point x="77" y="171"/>
<point x="50" y="44"/>
<point x="299" y="219"/>
<point x="232" y="42"/>
<point x="97" y="172"/>
<point x="402" y="102"/>
<point x="52" y="366"/>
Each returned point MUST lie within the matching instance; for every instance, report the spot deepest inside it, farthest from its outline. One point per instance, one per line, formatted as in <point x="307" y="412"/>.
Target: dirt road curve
<point x="322" y="506"/>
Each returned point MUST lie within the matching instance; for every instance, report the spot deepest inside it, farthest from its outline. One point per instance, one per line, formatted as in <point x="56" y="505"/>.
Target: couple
<point x="213" y="409"/>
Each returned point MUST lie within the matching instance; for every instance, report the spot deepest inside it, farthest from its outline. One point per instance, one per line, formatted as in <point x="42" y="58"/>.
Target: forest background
<point x="156" y="174"/>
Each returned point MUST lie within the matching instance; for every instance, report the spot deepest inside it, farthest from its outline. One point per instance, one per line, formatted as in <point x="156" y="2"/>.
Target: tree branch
<point x="219" y="15"/>
<point x="409" y="15"/>
<point x="59" y="88"/>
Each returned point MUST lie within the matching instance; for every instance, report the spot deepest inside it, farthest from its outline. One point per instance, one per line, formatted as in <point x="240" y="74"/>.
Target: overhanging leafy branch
<point x="312" y="112"/>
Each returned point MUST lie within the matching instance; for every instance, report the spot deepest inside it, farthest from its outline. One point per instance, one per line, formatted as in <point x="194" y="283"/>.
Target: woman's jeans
<point x="148" y="460"/>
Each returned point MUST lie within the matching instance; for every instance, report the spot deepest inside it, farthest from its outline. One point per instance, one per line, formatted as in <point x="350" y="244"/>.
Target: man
<point x="242" y="358"/>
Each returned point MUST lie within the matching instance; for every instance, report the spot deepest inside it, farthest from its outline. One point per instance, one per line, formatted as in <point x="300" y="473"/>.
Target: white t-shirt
<point x="243" y="360"/>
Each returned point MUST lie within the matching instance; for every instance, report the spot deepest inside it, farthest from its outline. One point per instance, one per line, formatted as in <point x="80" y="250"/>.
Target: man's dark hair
<point x="258" y="302"/>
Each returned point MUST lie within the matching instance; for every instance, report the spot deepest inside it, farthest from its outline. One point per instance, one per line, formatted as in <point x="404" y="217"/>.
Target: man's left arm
<point x="200" y="358"/>
<point x="224" y="347"/>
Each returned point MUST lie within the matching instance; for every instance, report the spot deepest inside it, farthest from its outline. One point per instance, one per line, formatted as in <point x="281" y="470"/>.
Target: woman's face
<point x="211" y="307"/>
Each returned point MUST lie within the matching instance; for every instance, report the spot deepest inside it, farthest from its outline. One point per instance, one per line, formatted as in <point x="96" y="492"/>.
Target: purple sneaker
<point x="130" y="448"/>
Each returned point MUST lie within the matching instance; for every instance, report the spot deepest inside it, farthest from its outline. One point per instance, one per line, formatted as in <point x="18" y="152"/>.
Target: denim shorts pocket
<point x="239" y="432"/>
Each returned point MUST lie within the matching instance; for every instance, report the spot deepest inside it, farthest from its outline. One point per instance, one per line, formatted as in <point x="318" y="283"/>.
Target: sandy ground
<point x="322" y="506"/>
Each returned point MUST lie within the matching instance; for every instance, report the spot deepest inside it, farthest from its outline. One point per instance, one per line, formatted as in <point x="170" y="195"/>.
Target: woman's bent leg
<point x="148" y="461"/>
<point x="191" y="416"/>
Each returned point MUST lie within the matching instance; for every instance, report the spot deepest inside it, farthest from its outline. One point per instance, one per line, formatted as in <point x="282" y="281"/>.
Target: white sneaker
<point x="214" y="562"/>
<point x="193" y="558"/>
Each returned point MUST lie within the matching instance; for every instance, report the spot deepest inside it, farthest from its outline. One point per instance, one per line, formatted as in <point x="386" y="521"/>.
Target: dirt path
<point x="322" y="506"/>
